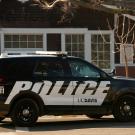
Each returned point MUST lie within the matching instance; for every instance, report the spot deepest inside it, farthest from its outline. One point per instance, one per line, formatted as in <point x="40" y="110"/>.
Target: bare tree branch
<point x="123" y="33"/>
<point x="123" y="26"/>
<point x="115" y="6"/>
<point x="133" y="38"/>
<point x="46" y="5"/>
<point x="130" y="30"/>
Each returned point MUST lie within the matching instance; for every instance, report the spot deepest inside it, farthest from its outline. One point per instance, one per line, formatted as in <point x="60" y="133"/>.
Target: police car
<point x="52" y="83"/>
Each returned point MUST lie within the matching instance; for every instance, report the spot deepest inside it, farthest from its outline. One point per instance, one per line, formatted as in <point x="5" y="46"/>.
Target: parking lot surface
<point x="70" y="125"/>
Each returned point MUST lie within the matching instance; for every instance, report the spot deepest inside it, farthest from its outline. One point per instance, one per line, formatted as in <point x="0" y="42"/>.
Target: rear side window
<point x="17" y="68"/>
<point x="49" y="69"/>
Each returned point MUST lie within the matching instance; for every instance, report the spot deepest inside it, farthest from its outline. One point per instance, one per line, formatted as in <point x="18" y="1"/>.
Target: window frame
<point x="87" y="35"/>
<point x="87" y="45"/>
<point x="101" y="52"/>
<point x="28" y="41"/>
<point x="71" y="43"/>
<point x="130" y="56"/>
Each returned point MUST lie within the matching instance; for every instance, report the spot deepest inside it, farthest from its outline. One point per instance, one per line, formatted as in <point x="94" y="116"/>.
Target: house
<point x="27" y="27"/>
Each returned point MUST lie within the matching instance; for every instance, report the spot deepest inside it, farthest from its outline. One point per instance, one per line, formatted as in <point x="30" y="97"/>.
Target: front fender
<point x="122" y="92"/>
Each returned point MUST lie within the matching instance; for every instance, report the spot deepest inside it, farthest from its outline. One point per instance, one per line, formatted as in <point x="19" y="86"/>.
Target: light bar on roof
<point x="51" y="52"/>
<point x="24" y="53"/>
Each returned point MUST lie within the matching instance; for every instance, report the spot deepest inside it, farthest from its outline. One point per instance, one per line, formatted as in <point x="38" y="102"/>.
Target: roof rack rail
<point x="18" y="53"/>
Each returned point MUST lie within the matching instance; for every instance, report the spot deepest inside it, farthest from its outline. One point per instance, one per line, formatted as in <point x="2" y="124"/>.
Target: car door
<point x="53" y="74"/>
<point x="90" y="88"/>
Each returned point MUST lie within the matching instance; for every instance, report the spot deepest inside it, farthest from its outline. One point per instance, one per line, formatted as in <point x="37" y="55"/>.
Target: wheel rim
<point x="127" y="108"/>
<point x="25" y="113"/>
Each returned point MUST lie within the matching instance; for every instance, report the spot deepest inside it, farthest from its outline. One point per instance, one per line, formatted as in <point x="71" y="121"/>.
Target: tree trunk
<point x="126" y="62"/>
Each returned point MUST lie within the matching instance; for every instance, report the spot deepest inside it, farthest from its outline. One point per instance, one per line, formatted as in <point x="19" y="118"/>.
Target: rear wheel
<point x="25" y="112"/>
<point x="124" y="109"/>
<point x="95" y="116"/>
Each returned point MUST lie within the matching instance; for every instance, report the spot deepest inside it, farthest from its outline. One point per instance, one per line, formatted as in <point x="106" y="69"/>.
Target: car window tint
<point x="17" y="68"/>
<point x="81" y="68"/>
<point x="49" y="69"/>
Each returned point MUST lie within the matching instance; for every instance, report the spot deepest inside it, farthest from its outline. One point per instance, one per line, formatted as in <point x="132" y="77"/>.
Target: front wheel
<point x="25" y="112"/>
<point x="124" y="109"/>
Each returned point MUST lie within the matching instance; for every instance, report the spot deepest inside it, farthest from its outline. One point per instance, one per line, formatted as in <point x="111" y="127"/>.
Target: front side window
<point x="49" y="69"/>
<point x="81" y="68"/>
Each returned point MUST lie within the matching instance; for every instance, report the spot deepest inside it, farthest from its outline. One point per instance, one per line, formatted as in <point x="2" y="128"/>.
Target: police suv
<point x="52" y="83"/>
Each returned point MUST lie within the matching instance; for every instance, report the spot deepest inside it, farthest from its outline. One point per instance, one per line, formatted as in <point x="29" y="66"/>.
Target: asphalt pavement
<point x="70" y="125"/>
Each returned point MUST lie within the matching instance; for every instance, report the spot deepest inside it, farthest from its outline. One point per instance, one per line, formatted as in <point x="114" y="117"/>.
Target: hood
<point x="123" y="78"/>
<point x="124" y="82"/>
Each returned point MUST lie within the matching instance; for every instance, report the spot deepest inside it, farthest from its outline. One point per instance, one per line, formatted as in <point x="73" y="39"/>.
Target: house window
<point x="74" y="45"/>
<point x="129" y="52"/>
<point x="23" y="41"/>
<point x="100" y="50"/>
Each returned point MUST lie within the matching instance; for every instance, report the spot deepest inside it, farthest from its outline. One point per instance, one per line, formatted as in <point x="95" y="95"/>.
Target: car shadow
<point x="80" y="124"/>
<point x="57" y="125"/>
<point x="7" y="125"/>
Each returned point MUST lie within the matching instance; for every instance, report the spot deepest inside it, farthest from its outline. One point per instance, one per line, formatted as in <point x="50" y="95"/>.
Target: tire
<point x="124" y="109"/>
<point x="95" y="116"/>
<point x="25" y="112"/>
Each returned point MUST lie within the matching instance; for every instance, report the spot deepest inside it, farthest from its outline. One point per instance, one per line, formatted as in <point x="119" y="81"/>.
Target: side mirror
<point x="112" y="73"/>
